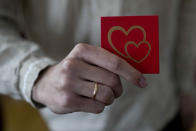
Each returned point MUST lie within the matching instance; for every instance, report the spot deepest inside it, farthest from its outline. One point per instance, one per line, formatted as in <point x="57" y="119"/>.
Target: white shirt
<point x="55" y="26"/>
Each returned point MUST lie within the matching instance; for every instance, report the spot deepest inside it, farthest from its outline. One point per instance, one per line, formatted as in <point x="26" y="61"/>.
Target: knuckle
<point x="116" y="85"/>
<point x="80" y="47"/>
<point x="108" y="97"/>
<point x="116" y="63"/>
<point x="113" y="80"/>
<point x="68" y="66"/>
<point x="62" y="82"/>
<point x="65" y="82"/>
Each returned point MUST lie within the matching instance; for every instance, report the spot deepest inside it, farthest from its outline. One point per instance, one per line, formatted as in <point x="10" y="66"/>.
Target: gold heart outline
<point x="137" y="45"/>
<point x="114" y="28"/>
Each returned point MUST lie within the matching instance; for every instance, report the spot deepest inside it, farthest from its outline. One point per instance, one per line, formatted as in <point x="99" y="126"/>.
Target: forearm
<point x="20" y="60"/>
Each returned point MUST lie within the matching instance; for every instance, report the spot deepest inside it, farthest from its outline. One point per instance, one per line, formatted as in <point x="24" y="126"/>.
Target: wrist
<point x="35" y="94"/>
<point x="35" y="99"/>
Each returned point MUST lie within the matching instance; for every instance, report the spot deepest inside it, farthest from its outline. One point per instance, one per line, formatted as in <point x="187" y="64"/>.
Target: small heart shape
<point x="140" y="46"/>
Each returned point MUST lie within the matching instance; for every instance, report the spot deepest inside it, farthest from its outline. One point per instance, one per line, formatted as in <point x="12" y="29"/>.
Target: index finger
<point x="103" y="58"/>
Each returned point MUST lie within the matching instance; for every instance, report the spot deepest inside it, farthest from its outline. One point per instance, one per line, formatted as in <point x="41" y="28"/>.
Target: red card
<point x="133" y="38"/>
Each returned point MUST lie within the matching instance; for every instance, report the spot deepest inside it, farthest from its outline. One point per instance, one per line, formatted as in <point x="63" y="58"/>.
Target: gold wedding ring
<point x="95" y="90"/>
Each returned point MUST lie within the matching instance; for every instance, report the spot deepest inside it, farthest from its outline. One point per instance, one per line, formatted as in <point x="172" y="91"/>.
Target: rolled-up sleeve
<point x="21" y="60"/>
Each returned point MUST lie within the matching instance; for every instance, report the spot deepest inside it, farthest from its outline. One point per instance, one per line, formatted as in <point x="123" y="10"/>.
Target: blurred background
<point x="20" y="116"/>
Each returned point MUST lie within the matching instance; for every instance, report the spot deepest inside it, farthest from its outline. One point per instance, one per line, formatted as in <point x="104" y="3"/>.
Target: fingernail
<point x="142" y="82"/>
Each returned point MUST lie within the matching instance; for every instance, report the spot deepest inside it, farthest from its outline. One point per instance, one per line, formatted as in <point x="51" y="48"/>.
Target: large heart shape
<point x="128" y="55"/>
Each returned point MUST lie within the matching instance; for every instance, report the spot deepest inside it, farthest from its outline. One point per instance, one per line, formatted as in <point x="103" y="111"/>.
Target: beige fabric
<point x="55" y="26"/>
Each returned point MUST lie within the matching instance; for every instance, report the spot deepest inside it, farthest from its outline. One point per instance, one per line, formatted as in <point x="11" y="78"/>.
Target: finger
<point x="89" y="105"/>
<point x="100" y="75"/>
<point x="103" y="58"/>
<point x="70" y="102"/>
<point x="85" y="88"/>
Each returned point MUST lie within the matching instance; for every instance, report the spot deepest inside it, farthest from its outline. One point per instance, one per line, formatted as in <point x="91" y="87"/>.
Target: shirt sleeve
<point x="21" y="60"/>
<point x="185" y="59"/>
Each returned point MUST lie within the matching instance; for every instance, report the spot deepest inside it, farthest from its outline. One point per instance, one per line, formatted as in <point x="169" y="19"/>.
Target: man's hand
<point x="68" y="86"/>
